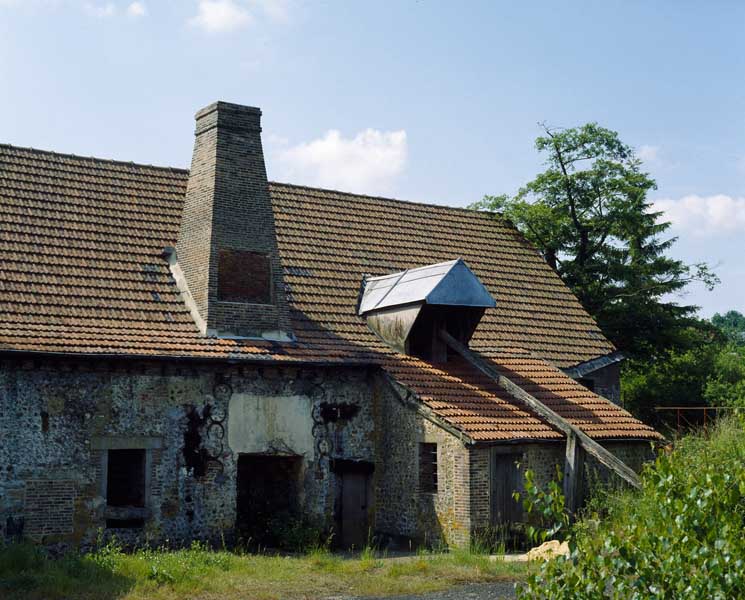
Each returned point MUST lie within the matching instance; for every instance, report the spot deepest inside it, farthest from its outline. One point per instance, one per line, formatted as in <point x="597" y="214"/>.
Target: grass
<point x="198" y="572"/>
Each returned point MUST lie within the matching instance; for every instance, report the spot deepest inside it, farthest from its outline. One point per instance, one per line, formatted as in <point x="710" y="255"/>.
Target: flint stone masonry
<point x="58" y="420"/>
<point x="53" y="480"/>
<point x="402" y="510"/>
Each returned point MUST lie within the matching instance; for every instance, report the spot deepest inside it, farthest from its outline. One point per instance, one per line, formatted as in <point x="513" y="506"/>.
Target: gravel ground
<point x="503" y="590"/>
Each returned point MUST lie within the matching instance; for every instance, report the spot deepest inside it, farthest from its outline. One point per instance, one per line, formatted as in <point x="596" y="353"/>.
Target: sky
<point x="416" y="99"/>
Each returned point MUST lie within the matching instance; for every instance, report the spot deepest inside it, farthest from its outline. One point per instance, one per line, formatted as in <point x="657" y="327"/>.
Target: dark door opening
<point x="268" y="496"/>
<point x="355" y="499"/>
<point x="506" y="479"/>
<point x="125" y="487"/>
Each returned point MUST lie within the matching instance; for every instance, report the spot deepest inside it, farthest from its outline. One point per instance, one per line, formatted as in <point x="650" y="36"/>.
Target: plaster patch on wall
<point x="276" y="424"/>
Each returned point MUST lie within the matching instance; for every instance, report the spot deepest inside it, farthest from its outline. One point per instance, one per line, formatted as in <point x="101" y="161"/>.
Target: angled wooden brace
<point x="573" y="433"/>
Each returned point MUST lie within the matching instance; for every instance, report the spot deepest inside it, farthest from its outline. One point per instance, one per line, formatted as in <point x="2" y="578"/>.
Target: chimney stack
<point x="226" y="262"/>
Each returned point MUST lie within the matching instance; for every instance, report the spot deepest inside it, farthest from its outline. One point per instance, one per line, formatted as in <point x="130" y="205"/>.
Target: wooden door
<point x="506" y="479"/>
<point x="354" y="510"/>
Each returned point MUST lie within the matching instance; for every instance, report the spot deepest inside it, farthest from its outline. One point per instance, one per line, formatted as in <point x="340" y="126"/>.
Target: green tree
<point x="677" y="377"/>
<point x="725" y="384"/>
<point x="706" y="369"/>
<point x="589" y="215"/>
<point x="732" y="323"/>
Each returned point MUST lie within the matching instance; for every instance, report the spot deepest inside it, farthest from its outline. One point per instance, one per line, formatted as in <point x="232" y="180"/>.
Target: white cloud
<point x="217" y="16"/>
<point x="101" y="11"/>
<point x="705" y="216"/>
<point x="367" y="163"/>
<point x="137" y="9"/>
<point x="648" y="153"/>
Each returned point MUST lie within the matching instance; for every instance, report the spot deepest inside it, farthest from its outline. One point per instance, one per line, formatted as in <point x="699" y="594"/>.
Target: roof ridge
<point x="92" y="158"/>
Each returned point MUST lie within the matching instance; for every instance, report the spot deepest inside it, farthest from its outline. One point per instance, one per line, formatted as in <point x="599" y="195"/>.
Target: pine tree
<point x="589" y="215"/>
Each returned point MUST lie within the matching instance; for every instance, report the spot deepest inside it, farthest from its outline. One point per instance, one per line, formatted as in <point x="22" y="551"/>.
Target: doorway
<point x="506" y="479"/>
<point x="355" y="503"/>
<point x="268" y="494"/>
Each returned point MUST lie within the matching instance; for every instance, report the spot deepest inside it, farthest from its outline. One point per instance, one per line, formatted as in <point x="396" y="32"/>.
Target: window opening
<point x="428" y="468"/>
<point x="243" y="276"/>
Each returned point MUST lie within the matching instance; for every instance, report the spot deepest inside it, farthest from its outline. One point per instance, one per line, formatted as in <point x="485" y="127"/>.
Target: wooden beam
<point x="573" y="466"/>
<point x="603" y="456"/>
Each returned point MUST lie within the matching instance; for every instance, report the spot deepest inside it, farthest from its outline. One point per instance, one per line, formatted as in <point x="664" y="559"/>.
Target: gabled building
<point x="190" y="354"/>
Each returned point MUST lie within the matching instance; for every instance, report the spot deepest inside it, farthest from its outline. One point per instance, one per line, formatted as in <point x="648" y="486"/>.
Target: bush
<point x="679" y="537"/>
<point x="546" y="508"/>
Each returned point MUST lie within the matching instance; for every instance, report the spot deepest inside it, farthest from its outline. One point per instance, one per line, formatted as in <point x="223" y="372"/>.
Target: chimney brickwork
<point x="228" y="209"/>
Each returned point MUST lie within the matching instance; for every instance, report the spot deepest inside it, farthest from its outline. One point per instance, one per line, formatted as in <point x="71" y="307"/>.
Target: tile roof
<point x="328" y="239"/>
<point x="82" y="271"/>
<point x="475" y="404"/>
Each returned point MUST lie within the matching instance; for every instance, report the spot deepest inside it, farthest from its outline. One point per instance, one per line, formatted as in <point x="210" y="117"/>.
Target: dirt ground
<point x="503" y="590"/>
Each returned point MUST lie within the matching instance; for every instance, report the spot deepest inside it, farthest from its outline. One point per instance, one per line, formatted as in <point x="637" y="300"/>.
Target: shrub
<point x="679" y="537"/>
<point x="547" y="508"/>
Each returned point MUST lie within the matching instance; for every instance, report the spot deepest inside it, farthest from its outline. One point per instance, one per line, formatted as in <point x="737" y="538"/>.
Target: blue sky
<point x="421" y="100"/>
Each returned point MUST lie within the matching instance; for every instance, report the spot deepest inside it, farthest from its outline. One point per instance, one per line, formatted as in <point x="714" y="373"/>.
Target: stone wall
<point x="58" y="420"/>
<point x="402" y="511"/>
<point x="634" y="454"/>
<point x="543" y="459"/>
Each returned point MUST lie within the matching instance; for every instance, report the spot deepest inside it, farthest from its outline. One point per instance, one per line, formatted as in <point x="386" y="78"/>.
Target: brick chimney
<point x="226" y="261"/>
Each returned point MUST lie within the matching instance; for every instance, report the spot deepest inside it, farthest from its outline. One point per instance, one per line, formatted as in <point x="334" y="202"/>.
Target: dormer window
<point x="244" y="277"/>
<point x="409" y="309"/>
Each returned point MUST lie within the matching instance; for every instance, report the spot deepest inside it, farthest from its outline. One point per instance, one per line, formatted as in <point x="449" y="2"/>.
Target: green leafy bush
<point x="547" y="508"/>
<point x="679" y="537"/>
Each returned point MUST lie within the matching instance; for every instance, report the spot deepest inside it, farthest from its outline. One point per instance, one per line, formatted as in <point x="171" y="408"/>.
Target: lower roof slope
<point x="472" y="402"/>
<point x="82" y="271"/>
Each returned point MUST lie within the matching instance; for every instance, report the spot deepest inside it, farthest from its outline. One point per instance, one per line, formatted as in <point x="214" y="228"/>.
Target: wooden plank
<point x="573" y="467"/>
<point x="603" y="456"/>
<point x="505" y="480"/>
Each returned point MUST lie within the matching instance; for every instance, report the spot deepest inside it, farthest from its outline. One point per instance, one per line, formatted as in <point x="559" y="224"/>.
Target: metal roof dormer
<point x="407" y="309"/>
